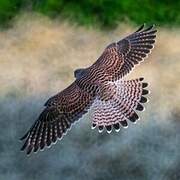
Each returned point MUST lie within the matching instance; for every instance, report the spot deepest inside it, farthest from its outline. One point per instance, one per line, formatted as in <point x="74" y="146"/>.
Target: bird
<point x="101" y="87"/>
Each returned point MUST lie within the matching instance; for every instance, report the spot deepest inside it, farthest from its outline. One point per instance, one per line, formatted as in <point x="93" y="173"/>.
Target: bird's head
<point x="78" y="73"/>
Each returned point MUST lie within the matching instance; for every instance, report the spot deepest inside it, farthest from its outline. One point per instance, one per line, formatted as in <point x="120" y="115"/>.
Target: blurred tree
<point x="8" y="9"/>
<point x="105" y="13"/>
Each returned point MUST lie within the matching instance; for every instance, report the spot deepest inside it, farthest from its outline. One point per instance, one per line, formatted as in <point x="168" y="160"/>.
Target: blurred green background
<point x="103" y="13"/>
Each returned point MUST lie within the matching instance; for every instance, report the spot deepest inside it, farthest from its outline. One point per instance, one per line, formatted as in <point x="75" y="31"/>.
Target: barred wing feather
<point x="135" y="48"/>
<point x="61" y="111"/>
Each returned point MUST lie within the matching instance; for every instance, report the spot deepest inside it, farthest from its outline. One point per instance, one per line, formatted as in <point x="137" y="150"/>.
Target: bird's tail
<point x="123" y="104"/>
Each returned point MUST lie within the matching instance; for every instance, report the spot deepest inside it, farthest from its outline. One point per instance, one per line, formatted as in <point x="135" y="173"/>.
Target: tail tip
<point x="140" y="107"/>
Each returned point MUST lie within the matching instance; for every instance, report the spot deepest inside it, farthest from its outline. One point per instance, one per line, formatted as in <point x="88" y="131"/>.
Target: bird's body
<point x="101" y="87"/>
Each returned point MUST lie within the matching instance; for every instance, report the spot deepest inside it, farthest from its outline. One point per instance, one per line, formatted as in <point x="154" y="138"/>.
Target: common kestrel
<point x="100" y="87"/>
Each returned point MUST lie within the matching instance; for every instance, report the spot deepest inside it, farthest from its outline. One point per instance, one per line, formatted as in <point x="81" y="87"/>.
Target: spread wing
<point x="61" y="111"/>
<point x="118" y="59"/>
<point x="135" y="48"/>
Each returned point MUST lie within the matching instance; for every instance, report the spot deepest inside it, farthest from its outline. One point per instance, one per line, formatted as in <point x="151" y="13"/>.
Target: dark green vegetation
<point x="104" y="13"/>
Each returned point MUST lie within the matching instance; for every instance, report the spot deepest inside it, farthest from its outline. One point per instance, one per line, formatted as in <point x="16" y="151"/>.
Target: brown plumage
<point x="113" y="100"/>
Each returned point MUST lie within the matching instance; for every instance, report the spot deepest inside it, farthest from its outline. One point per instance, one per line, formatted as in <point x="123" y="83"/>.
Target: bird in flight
<point x="100" y="87"/>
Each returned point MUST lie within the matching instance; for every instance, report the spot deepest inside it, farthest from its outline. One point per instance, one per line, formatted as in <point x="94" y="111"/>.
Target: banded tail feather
<point x="122" y="107"/>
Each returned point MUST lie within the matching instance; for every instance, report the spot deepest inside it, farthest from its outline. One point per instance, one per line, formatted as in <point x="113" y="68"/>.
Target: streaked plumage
<point x="113" y="100"/>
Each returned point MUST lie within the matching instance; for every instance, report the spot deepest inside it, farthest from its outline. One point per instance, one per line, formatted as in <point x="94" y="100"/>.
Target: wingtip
<point x="147" y="29"/>
<point x="26" y="153"/>
<point x="21" y="149"/>
<point x="24" y="146"/>
<point x="24" y="137"/>
<point x="141" y="27"/>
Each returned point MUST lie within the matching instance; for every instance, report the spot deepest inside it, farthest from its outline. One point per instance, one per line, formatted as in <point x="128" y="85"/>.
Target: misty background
<point x="38" y="55"/>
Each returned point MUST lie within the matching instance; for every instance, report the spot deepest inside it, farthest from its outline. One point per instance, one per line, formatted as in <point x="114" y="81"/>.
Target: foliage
<point x="8" y="9"/>
<point x="104" y="13"/>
